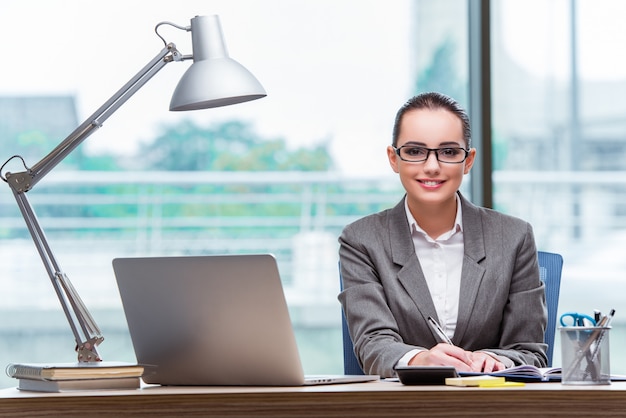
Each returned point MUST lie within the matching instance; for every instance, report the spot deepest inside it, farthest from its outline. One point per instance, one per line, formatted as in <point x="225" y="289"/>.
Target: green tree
<point x="229" y="146"/>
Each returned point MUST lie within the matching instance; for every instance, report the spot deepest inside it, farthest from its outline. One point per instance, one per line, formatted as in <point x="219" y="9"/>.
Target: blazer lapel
<point x="472" y="271"/>
<point x="410" y="274"/>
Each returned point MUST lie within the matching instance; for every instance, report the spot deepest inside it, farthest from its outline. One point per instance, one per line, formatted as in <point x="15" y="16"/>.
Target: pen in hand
<point x="438" y="331"/>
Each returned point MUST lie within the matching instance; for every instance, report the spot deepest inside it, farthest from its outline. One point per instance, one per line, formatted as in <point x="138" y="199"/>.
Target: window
<point x="559" y="138"/>
<point x="335" y="72"/>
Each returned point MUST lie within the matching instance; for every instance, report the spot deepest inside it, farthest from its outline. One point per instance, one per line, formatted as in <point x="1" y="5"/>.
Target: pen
<point x="597" y="315"/>
<point x="610" y="318"/>
<point x="438" y="331"/>
<point x="604" y="322"/>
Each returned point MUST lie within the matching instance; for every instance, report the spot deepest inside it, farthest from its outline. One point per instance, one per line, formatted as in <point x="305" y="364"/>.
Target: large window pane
<point x="335" y="73"/>
<point x="559" y="138"/>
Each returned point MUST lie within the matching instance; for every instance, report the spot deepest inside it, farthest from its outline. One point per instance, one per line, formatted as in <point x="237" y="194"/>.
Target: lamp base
<point x="87" y="352"/>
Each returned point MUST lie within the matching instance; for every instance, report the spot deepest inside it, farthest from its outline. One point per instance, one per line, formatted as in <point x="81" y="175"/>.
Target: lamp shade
<point x="214" y="79"/>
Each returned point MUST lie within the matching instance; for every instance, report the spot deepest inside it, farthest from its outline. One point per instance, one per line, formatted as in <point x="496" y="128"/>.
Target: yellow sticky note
<point x="483" y="381"/>
<point x="501" y="385"/>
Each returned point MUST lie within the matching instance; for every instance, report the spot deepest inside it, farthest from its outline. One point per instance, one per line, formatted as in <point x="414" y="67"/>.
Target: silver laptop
<point x="212" y="320"/>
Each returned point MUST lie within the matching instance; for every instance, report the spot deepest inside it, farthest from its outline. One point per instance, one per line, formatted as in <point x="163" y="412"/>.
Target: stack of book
<point x="61" y="377"/>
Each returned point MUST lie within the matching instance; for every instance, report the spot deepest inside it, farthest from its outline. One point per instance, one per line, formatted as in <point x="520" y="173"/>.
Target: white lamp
<point x="213" y="80"/>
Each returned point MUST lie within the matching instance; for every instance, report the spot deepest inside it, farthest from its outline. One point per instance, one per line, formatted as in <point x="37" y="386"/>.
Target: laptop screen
<point x="209" y="320"/>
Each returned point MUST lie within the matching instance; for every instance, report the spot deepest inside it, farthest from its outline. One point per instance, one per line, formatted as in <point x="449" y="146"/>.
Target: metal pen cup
<point x="585" y="355"/>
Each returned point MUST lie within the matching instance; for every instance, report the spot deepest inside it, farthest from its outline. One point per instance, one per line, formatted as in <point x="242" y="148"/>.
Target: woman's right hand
<point x="444" y="355"/>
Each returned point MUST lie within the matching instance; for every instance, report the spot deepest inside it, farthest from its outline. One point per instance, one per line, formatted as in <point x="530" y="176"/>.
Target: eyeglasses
<point x="414" y="154"/>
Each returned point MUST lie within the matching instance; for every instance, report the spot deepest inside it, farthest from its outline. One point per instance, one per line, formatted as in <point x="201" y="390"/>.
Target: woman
<point x="471" y="269"/>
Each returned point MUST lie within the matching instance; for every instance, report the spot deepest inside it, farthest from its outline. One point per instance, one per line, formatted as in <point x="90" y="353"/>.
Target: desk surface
<point x="375" y="399"/>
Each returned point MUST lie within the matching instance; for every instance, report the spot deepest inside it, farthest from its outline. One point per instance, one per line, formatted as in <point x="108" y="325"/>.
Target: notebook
<point x="212" y="320"/>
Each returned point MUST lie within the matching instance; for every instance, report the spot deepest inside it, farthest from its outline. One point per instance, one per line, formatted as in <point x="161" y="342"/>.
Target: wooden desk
<point x="377" y="399"/>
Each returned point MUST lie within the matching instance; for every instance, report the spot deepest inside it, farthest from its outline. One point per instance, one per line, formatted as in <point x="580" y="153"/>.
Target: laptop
<point x="213" y="320"/>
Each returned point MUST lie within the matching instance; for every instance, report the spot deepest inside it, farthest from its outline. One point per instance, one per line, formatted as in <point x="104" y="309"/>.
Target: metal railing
<point x="564" y="207"/>
<point x="572" y="213"/>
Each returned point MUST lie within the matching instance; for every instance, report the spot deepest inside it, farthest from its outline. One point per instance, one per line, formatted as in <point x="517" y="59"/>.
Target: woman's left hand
<point x="483" y="362"/>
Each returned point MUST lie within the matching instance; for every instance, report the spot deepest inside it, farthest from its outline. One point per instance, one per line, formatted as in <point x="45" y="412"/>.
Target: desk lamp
<point x="213" y="80"/>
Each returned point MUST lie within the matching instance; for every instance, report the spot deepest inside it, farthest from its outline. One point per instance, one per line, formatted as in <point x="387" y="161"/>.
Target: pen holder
<point x="585" y="356"/>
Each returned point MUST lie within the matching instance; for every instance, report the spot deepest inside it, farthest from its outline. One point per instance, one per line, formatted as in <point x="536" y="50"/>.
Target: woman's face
<point x="430" y="182"/>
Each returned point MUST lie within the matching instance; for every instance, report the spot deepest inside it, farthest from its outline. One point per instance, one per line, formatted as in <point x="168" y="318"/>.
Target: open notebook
<point x="212" y="320"/>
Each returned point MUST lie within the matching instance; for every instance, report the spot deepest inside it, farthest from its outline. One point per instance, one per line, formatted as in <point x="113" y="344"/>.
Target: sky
<point x="329" y="71"/>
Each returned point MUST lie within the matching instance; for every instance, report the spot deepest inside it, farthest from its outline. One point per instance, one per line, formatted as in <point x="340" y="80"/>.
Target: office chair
<point x="550" y="268"/>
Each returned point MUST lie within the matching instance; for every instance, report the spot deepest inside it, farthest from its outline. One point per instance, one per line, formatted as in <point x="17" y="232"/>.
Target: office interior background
<point x="284" y="174"/>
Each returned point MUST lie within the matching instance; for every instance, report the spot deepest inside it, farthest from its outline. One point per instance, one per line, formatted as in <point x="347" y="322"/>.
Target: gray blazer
<point x="386" y="299"/>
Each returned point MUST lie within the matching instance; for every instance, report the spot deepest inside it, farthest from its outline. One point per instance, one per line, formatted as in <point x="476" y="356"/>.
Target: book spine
<point x="78" y="385"/>
<point x="19" y="371"/>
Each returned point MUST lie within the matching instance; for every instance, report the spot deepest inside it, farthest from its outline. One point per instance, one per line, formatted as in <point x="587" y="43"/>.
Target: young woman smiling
<point x="436" y="255"/>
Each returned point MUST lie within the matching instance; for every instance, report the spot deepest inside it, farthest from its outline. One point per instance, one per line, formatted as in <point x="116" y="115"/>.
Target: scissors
<point x="575" y="319"/>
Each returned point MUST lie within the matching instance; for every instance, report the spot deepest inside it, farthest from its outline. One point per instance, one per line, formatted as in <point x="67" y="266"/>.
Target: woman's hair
<point x="433" y="101"/>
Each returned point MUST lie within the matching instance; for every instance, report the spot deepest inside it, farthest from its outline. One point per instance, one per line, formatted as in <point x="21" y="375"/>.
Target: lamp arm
<point x="26" y="180"/>
<point x="86" y="332"/>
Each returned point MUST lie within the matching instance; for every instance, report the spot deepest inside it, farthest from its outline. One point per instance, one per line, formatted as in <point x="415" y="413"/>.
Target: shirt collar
<point x="458" y="220"/>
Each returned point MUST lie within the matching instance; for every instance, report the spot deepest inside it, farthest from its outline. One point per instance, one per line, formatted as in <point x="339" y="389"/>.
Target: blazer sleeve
<point x="524" y="316"/>
<point x="368" y="296"/>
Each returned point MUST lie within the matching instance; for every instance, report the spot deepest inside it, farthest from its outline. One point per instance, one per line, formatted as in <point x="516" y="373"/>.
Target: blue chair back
<point x="550" y="268"/>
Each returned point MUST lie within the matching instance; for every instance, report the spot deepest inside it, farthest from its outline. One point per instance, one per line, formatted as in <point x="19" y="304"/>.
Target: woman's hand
<point x="444" y="355"/>
<point x="464" y="361"/>
<point x="483" y="362"/>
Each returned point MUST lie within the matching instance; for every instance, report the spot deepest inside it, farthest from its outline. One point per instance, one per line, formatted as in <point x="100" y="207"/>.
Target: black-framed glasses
<point x="415" y="154"/>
